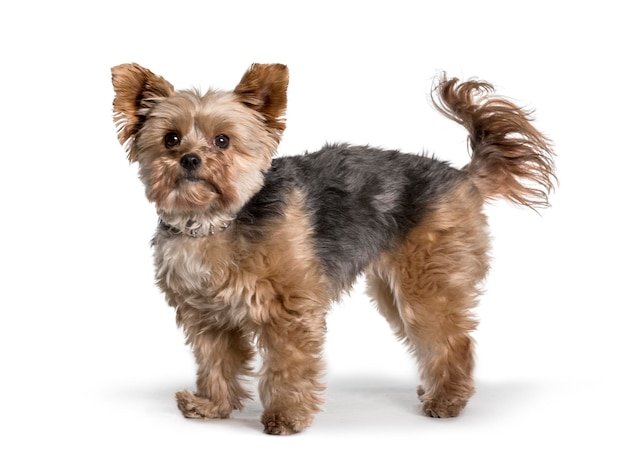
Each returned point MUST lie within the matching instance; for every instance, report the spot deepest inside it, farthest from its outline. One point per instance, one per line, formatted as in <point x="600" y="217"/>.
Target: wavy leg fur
<point x="426" y="290"/>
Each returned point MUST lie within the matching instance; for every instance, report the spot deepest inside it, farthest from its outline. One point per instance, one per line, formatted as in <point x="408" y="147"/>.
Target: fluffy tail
<point x="510" y="158"/>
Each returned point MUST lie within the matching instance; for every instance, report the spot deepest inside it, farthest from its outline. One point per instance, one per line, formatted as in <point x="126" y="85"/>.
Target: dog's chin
<point x="189" y="195"/>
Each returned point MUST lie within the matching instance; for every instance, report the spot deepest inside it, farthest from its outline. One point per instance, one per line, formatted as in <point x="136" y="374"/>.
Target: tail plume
<point x="510" y="157"/>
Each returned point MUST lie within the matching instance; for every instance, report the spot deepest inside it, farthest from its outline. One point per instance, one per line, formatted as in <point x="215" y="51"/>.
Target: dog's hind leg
<point x="427" y="287"/>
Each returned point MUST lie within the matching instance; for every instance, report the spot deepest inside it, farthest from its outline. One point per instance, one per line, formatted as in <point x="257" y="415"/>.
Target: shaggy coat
<point x="252" y="250"/>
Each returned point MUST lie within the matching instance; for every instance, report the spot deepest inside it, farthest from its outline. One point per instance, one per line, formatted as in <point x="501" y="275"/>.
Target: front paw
<point x="441" y="406"/>
<point x="195" y="407"/>
<point x="282" y="424"/>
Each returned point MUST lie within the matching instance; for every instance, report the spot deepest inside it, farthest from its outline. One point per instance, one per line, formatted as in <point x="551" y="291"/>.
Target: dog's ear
<point x="136" y="91"/>
<point x="264" y="88"/>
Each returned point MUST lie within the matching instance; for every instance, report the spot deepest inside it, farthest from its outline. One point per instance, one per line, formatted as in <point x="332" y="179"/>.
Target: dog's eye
<point x="221" y="141"/>
<point x="171" y="140"/>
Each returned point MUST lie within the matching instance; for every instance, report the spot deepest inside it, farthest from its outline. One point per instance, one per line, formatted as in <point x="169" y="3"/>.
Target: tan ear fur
<point x="264" y="88"/>
<point x="136" y="90"/>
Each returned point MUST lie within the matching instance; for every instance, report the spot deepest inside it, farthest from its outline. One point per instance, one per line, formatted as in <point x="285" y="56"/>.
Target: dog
<point x="252" y="250"/>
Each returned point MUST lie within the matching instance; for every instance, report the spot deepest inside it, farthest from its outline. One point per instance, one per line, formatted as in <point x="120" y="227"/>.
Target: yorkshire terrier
<point x="252" y="250"/>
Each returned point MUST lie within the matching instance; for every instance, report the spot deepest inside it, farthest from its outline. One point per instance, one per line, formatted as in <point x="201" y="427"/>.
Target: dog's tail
<point x="510" y="157"/>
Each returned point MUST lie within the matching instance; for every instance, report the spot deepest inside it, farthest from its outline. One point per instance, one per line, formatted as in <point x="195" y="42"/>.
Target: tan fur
<point x="136" y="89"/>
<point x="231" y="178"/>
<point x="426" y="289"/>
<point x="229" y="292"/>
<point x="510" y="157"/>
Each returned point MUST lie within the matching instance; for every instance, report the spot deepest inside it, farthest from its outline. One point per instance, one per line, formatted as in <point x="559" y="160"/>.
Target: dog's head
<point x="200" y="154"/>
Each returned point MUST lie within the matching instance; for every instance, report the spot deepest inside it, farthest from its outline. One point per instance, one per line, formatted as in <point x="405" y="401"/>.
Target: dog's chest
<point x="181" y="265"/>
<point x="202" y="273"/>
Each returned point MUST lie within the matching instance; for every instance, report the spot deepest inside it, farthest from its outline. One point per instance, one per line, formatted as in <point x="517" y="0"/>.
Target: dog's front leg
<point x="223" y="357"/>
<point x="291" y="346"/>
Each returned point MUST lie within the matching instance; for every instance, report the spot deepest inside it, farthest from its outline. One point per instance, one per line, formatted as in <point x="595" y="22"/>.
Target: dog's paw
<point x="280" y="424"/>
<point x="195" y="407"/>
<point x="440" y="407"/>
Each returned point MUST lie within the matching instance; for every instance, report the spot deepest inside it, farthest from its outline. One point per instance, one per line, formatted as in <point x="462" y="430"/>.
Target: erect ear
<point x="136" y="91"/>
<point x="264" y="88"/>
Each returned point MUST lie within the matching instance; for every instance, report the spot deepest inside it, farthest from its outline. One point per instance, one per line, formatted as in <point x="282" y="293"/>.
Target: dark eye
<point x="221" y="141"/>
<point x="171" y="140"/>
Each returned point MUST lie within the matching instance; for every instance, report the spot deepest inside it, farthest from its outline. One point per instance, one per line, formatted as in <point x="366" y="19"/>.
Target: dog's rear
<point x="428" y="285"/>
<point x="510" y="157"/>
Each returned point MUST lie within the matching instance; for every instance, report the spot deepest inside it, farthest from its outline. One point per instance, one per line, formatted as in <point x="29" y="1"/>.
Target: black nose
<point x="190" y="161"/>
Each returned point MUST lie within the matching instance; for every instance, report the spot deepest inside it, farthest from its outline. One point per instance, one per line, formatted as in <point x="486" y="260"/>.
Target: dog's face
<point x="200" y="154"/>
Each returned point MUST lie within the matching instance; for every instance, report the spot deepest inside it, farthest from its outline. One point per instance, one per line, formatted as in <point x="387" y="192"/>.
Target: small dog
<point x="251" y="250"/>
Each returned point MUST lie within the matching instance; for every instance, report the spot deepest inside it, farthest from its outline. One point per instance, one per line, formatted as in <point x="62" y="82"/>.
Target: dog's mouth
<point x="193" y="180"/>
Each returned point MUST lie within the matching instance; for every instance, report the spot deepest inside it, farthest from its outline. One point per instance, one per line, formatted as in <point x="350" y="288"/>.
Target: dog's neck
<point x="194" y="225"/>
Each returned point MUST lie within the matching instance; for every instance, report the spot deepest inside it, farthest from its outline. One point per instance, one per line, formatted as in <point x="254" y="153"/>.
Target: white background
<point x="89" y="351"/>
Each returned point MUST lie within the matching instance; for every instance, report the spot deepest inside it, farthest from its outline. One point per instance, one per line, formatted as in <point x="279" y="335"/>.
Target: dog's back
<point x="361" y="201"/>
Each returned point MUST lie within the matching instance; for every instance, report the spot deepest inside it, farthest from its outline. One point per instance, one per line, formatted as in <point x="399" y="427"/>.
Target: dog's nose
<point x="190" y="161"/>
